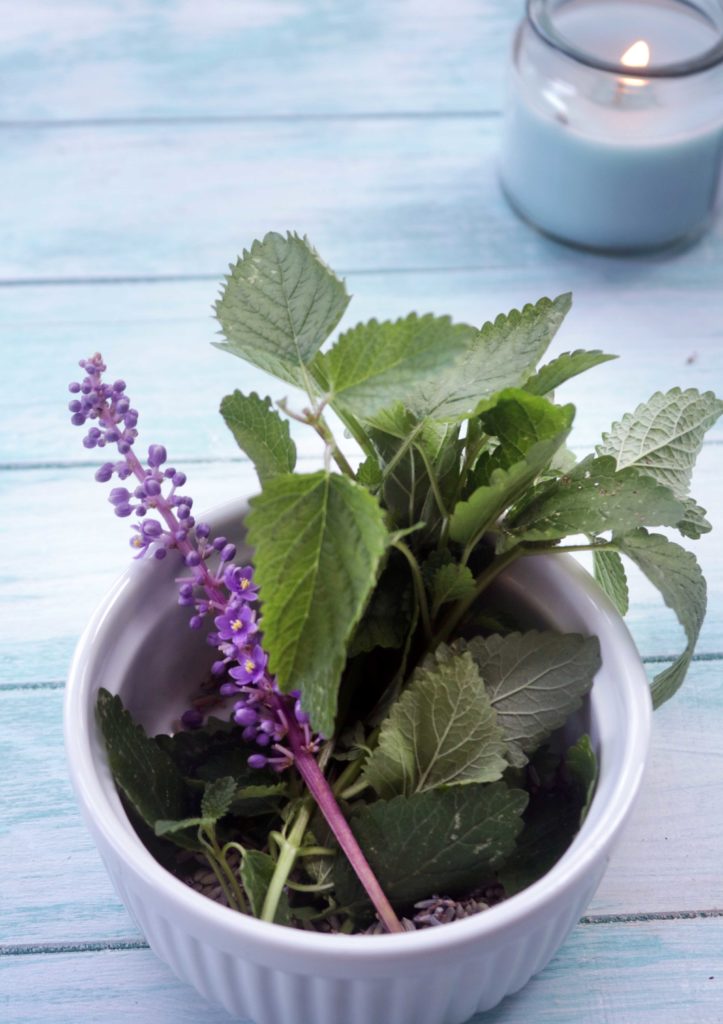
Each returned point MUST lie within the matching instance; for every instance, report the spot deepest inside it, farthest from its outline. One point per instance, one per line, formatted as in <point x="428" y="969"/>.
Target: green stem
<point x="311" y="886"/>
<point x="418" y="586"/>
<point x="324" y="431"/>
<point x="215" y="866"/>
<point x="434" y="483"/>
<point x="223" y="863"/>
<point x="289" y="849"/>
<point x="455" y="615"/>
<point x="351" y="791"/>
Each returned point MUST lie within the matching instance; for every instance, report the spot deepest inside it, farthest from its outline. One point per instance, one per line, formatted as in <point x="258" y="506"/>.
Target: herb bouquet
<point x="376" y="745"/>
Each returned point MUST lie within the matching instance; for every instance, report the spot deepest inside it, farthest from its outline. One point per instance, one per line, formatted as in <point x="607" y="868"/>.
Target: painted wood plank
<point x="166" y="199"/>
<point x="55" y="888"/>
<point x="652" y="972"/>
<point x="158" y="338"/>
<point x="89" y="59"/>
<point x="44" y="607"/>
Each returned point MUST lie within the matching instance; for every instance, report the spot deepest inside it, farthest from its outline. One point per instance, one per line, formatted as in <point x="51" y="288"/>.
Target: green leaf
<point x="279" y="304"/>
<point x="663" y="436"/>
<point x="693" y="524"/>
<point x="217" y="798"/>
<point x="377" y="364"/>
<point x="592" y="498"/>
<point x="407" y="447"/>
<point x="581" y="765"/>
<point x="441" y="732"/>
<point x="388" y="615"/>
<point x="445" y="840"/>
<point x="676" y="574"/>
<point x="451" y="582"/>
<point x="146" y="774"/>
<point x="535" y="681"/>
<point x="610" y="576"/>
<point x="257" y="870"/>
<point x="530" y="430"/>
<point x="503" y="354"/>
<point x="165" y="827"/>
<point x="369" y="473"/>
<point x="561" y="369"/>
<point x="260" y="433"/>
<point x="318" y="539"/>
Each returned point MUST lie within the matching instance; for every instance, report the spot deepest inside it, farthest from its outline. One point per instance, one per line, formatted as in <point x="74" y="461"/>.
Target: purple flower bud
<point x="104" y="473"/>
<point x="156" y="455"/>
<point x="263" y="739"/>
<point x="119" y="496"/>
<point x="192" y="719"/>
<point x="196" y="621"/>
<point x="178" y="479"/>
<point x="219" y="543"/>
<point x="193" y="559"/>
<point x="123" y="510"/>
<point x="257" y="761"/>
<point x="152" y="528"/>
<point x="203" y="530"/>
<point x="152" y="486"/>
<point x="228" y="690"/>
<point x="119" y="386"/>
<point x="159" y="553"/>
<point x="77" y="419"/>
<point x="246" y="716"/>
<point x="183" y="512"/>
<point x="249" y="733"/>
<point x="228" y="553"/>
<point x="74" y="387"/>
<point x="75" y="406"/>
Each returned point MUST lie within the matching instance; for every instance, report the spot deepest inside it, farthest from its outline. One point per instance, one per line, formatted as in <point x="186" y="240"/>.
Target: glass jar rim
<point x="538" y="16"/>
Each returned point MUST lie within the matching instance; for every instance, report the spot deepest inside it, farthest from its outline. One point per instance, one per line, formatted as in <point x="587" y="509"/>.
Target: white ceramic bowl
<point x="138" y="644"/>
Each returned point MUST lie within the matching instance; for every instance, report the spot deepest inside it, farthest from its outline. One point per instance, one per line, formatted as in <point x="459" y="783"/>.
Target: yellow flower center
<point x="244" y="584"/>
<point x="249" y="665"/>
<point x="236" y="625"/>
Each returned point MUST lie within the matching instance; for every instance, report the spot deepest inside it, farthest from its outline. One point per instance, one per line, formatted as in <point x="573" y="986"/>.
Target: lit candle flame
<point x="636" y="56"/>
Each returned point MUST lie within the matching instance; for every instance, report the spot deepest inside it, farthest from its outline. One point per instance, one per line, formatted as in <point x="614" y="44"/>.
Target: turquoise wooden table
<point x="143" y="145"/>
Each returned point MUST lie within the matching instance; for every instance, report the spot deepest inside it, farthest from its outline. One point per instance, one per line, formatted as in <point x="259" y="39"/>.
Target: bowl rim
<point x="590" y="843"/>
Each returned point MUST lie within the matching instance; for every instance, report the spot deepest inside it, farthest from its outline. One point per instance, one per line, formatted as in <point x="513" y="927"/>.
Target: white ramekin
<point x="138" y="644"/>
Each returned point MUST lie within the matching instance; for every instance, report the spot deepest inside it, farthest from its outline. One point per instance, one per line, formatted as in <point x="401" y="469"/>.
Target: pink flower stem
<point x="320" y="789"/>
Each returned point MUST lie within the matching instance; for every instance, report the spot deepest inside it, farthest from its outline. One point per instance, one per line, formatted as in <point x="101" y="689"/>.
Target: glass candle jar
<point x="613" y="133"/>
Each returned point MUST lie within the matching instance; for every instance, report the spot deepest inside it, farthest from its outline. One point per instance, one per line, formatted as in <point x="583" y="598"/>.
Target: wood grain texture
<point x="170" y="199"/>
<point x="250" y="58"/>
<point x="158" y="338"/>
<point x="652" y="972"/>
<point x="56" y="889"/>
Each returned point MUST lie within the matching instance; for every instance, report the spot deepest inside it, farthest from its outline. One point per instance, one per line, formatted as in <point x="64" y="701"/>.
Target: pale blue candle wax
<point x="609" y="163"/>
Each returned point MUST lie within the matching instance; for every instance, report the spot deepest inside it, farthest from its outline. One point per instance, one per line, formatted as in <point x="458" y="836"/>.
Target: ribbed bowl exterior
<point x="270" y="974"/>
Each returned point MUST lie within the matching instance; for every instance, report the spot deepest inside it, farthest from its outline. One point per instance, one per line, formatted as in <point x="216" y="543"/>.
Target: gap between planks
<point x="43" y="948"/>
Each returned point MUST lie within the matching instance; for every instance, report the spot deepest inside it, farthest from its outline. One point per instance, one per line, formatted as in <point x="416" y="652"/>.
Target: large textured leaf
<point x="217" y="798"/>
<point x="442" y="731"/>
<point x="376" y="364"/>
<point x="503" y="354"/>
<point x="279" y="304"/>
<point x="529" y="430"/>
<point x="451" y="582"/>
<point x="561" y="369"/>
<point x="595" y="496"/>
<point x="318" y="541"/>
<point x="535" y="681"/>
<point x="260" y="433"/>
<point x="552" y="819"/>
<point x="676" y="574"/>
<point x="663" y="436"/>
<point x="444" y="841"/>
<point x="141" y="769"/>
<point x="610" y="576"/>
<point x="693" y="524"/>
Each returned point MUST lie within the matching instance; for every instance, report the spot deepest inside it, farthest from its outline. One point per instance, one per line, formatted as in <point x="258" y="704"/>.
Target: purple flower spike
<point x="214" y="586"/>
